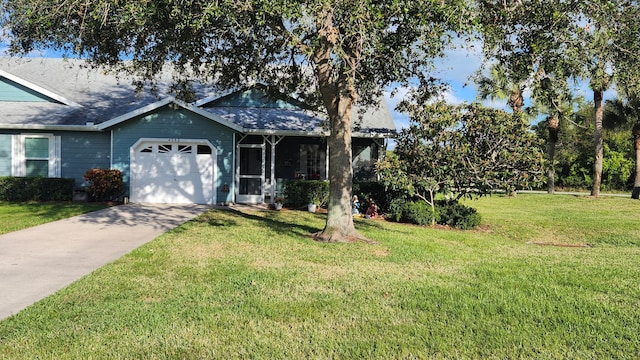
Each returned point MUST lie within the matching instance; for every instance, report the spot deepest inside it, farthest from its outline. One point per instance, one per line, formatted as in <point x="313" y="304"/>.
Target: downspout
<point x="236" y="162"/>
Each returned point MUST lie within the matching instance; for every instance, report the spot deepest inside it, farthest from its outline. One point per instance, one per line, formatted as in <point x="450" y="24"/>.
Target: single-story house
<point x="60" y="119"/>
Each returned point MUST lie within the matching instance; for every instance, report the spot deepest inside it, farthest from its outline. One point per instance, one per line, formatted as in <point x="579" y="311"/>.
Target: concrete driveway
<point x="38" y="261"/>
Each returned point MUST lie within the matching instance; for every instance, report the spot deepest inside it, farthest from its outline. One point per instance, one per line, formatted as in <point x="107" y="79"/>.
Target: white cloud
<point x="400" y="119"/>
<point x="460" y="62"/>
<point x="450" y="97"/>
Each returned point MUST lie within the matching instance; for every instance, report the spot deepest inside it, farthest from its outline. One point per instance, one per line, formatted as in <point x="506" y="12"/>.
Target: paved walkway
<point x="38" y="261"/>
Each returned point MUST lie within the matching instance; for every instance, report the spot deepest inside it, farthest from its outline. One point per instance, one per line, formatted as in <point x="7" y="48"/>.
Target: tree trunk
<point x="554" y="128"/>
<point x="635" y="194"/>
<point x="339" y="225"/>
<point x="598" y="142"/>
<point x="338" y="95"/>
<point x="516" y="101"/>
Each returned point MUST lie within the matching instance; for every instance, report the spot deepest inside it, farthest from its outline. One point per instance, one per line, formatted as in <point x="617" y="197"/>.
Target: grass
<point x="231" y="285"/>
<point x="16" y="216"/>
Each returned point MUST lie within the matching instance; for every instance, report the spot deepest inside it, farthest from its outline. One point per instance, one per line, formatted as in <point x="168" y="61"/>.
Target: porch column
<point x="273" y="140"/>
<point x="273" y="169"/>
<point x="264" y="160"/>
<point x="326" y="162"/>
<point x="236" y="180"/>
<point x="381" y="152"/>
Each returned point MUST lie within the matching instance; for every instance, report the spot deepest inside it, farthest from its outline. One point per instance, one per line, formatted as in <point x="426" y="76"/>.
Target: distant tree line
<point x="573" y="163"/>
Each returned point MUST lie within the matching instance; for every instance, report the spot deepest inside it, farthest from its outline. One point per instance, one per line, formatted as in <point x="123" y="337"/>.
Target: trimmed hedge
<point x="35" y="189"/>
<point x="413" y="212"/>
<point x="302" y="192"/>
<point x="298" y="193"/>
<point x="457" y="215"/>
<point x="447" y="212"/>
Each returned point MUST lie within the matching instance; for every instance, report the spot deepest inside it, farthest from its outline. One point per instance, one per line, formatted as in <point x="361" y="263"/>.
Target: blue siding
<point x="5" y="155"/>
<point x="167" y="123"/>
<point x="12" y="91"/>
<point x="81" y="151"/>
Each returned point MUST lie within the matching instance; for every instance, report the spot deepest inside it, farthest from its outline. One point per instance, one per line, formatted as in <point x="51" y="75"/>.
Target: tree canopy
<point x="591" y="40"/>
<point x="333" y="53"/>
<point x="463" y="150"/>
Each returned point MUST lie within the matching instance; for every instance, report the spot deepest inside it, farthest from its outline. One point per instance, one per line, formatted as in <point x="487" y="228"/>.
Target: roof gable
<point x="160" y="104"/>
<point x="257" y="96"/>
<point x="16" y="89"/>
<point x="12" y="91"/>
<point x="102" y="99"/>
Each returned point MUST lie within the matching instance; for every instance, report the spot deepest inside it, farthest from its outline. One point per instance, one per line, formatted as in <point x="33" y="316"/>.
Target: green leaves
<point x="239" y="41"/>
<point x="327" y="52"/>
<point x="467" y="149"/>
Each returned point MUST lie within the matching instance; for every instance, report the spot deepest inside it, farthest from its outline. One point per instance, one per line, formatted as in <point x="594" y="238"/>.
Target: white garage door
<point x="173" y="172"/>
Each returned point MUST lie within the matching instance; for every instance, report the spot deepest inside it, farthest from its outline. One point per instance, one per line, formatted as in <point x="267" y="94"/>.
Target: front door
<point x="251" y="174"/>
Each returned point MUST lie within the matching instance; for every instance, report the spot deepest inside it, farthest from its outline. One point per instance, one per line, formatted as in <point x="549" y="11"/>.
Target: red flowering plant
<point x="104" y="184"/>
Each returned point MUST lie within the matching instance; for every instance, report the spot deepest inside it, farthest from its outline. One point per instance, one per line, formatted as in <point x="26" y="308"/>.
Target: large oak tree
<point x="335" y="52"/>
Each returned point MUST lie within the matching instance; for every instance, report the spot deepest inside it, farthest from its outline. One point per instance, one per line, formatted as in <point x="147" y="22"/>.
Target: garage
<point x="173" y="172"/>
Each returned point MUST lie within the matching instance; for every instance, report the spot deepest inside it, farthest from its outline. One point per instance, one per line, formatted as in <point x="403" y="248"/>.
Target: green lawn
<point x="16" y="216"/>
<point x="231" y="285"/>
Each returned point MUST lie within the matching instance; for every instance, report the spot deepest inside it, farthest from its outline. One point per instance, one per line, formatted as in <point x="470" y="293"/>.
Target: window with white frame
<point x="36" y="155"/>
<point x="312" y="161"/>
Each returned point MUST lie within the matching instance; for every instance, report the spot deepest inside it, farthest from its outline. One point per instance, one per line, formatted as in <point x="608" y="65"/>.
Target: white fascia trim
<point x="141" y="111"/>
<point x="50" y="127"/>
<point x="315" y="133"/>
<point x="38" y="89"/>
<point x="373" y="135"/>
<point x="211" y="116"/>
<point x="170" y="100"/>
<point x="285" y="132"/>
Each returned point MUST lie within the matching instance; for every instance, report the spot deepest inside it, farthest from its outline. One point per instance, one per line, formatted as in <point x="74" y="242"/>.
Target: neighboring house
<point x="60" y="119"/>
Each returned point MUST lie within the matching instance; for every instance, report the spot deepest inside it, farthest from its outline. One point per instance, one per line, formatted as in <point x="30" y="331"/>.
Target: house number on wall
<point x="173" y="140"/>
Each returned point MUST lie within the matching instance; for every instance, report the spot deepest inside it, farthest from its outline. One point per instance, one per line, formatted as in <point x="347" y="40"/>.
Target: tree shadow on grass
<point x="273" y="221"/>
<point x="213" y="221"/>
<point x="375" y="224"/>
<point x="368" y="224"/>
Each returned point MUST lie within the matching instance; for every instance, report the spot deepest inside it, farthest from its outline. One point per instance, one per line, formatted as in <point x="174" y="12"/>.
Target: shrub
<point x="457" y="215"/>
<point x="303" y="192"/>
<point x="447" y="212"/>
<point x="413" y="212"/>
<point x="104" y="184"/>
<point x="35" y="189"/>
<point x="300" y="193"/>
<point x="376" y="191"/>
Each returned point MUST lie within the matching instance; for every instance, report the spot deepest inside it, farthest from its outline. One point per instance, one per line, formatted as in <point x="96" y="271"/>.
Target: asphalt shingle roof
<point x="96" y="96"/>
<point x="100" y="95"/>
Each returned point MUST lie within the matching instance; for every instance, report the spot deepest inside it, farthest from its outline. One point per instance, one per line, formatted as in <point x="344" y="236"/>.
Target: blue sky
<point x="455" y="69"/>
